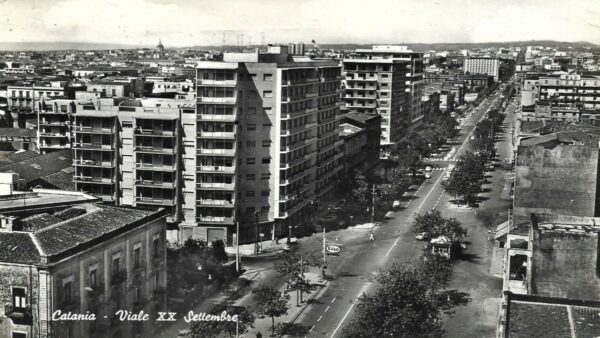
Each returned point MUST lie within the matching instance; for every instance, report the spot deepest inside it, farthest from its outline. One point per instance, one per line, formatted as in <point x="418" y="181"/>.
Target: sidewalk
<point x="266" y="248"/>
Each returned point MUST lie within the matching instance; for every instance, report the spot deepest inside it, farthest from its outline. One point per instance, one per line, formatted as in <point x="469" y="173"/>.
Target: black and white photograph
<point x="299" y="168"/>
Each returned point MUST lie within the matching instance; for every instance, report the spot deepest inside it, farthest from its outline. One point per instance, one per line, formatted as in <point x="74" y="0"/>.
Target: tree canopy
<point x="436" y="225"/>
<point x="271" y="303"/>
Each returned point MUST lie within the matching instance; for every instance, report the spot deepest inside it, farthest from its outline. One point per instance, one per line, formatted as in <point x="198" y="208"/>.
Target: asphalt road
<point x="361" y="259"/>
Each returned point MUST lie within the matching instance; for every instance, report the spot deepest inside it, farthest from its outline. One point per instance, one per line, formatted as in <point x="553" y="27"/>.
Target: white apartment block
<point x="487" y="66"/>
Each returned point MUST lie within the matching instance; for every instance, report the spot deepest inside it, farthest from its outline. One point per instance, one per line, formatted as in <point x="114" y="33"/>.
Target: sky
<point x="207" y="22"/>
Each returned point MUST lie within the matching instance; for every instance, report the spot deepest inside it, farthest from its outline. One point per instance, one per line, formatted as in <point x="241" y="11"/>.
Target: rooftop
<point x="41" y="199"/>
<point x="38" y="166"/>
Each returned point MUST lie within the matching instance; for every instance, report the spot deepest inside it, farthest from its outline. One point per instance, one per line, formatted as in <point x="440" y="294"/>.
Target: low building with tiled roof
<point x="79" y="256"/>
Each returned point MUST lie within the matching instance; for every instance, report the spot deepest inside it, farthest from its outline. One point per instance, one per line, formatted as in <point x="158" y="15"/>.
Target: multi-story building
<point x="268" y="146"/>
<point x="482" y="65"/>
<point x="55" y="117"/>
<point x="24" y="100"/>
<point x="129" y="151"/>
<point x="386" y="80"/>
<point x="62" y="253"/>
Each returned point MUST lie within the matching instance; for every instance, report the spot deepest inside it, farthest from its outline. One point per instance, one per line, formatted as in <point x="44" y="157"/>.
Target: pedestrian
<point x="371" y="236"/>
<point x="258" y="335"/>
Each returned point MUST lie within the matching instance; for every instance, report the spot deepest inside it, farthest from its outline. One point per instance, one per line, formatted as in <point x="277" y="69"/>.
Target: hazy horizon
<point x="180" y="23"/>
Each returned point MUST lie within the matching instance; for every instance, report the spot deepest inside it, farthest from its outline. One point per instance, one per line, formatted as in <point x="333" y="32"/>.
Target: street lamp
<point x="289" y="239"/>
<point x="256" y="213"/>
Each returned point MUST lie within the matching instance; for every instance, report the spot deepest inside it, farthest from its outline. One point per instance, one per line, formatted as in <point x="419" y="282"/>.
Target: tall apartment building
<point x="129" y="151"/>
<point x="482" y="65"/>
<point x="24" y="100"/>
<point x="390" y="78"/>
<point x="268" y="146"/>
<point x="55" y="117"/>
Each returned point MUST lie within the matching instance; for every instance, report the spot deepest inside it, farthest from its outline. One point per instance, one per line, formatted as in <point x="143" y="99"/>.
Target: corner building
<point x="267" y="148"/>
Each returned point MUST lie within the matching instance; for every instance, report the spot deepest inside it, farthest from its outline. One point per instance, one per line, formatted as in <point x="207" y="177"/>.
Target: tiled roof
<point x="17" y="132"/>
<point x="40" y="166"/>
<point x="102" y="219"/>
<point x="62" y="180"/>
<point x="18" y="247"/>
<point x="17" y="156"/>
<point x="538" y="320"/>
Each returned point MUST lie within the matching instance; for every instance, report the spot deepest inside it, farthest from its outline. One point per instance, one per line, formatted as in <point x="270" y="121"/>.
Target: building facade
<point x="482" y="65"/>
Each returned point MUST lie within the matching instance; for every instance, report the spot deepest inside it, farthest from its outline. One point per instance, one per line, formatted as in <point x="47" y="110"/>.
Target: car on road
<point x="472" y="137"/>
<point x="427" y="168"/>
<point x="427" y="175"/>
<point x="422" y="236"/>
<point x="396" y="204"/>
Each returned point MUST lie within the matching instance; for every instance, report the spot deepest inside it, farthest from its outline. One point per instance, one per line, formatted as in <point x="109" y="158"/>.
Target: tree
<point x="218" y="251"/>
<point x="210" y="328"/>
<point x="290" y="267"/>
<point x="436" y="225"/>
<point x="362" y="189"/>
<point x="271" y="302"/>
<point x="397" y="182"/>
<point x="466" y="179"/>
<point x="407" y="157"/>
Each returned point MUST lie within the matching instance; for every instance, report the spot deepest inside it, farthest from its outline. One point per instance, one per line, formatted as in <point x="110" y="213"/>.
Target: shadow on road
<point x="292" y="329"/>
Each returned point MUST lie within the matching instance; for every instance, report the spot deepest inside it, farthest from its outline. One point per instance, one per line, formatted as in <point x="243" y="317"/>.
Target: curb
<point x="306" y="305"/>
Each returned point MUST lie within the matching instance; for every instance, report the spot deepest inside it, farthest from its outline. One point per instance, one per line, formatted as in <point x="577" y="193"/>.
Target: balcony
<point x="293" y="163"/>
<point x="216" y="134"/>
<point x="216" y="117"/>
<point x="312" y="94"/>
<point x="92" y="130"/>
<point x="155" y="201"/>
<point x="210" y="151"/>
<point x="47" y="134"/>
<point x="93" y="146"/>
<point x="216" y="186"/>
<point x="18" y="315"/>
<point x="93" y="163"/>
<point x="93" y="179"/>
<point x="297" y="145"/>
<point x="53" y="123"/>
<point x="117" y="278"/>
<point x="215" y="169"/>
<point x="96" y="291"/>
<point x="296" y="177"/>
<point x="155" y="149"/>
<point x="215" y="203"/>
<point x="54" y="146"/>
<point x="217" y="83"/>
<point x="153" y="132"/>
<point x="215" y="220"/>
<point x="155" y="184"/>
<point x="217" y="100"/>
<point x="155" y="167"/>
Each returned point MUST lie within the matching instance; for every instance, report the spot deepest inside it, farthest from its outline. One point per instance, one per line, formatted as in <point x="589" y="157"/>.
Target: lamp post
<point x="289" y="239"/>
<point x="256" y="213"/>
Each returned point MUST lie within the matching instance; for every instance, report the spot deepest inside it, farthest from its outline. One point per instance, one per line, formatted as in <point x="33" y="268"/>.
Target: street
<point x="361" y="259"/>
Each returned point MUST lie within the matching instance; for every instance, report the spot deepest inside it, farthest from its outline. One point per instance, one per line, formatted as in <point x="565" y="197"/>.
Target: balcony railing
<point x="94" y="163"/>
<point x="94" y="146"/>
<point x="223" y="186"/>
<point x="216" y="134"/>
<point x="219" y="100"/>
<point x="53" y="123"/>
<point x="153" y="132"/>
<point x="217" y="117"/>
<point x="221" y="83"/>
<point x="155" y="167"/>
<point x="46" y="134"/>
<point x="216" y="220"/>
<point x="216" y="169"/>
<point x="155" y="149"/>
<point x="93" y="179"/>
<point x="220" y="203"/>
<point x="155" y="184"/>
<point x="297" y="145"/>
<point x="209" y="151"/>
<point x="155" y="201"/>
<point x="92" y="130"/>
<point x="19" y="315"/>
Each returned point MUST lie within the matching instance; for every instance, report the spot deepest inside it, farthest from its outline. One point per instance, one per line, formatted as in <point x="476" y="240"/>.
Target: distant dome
<point x="160" y="46"/>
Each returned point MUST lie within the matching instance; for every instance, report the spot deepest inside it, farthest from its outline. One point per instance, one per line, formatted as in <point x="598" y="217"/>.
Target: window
<point x="266" y="125"/>
<point x="250" y="160"/>
<point x="67" y="292"/>
<point x="266" y="143"/>
<point x="266" y="160"/>
<point x="250" y="177"/>
<point x="267" y="110"/>
<point x="265" y="176"/>
<point x="253" y="76"/>
<point x="92" y="275"/>
<point x="267" y="93"/>
<point x="264" y="193"/>
<point x="19" y="299"/>
<point x="250" y="193"/>
<point x="250" y="144"/>
<point x="114" y="92"/>
<point x="115" y="265"/>
<point x="127" y="124"/>
<point x="267" y="77"/>
<point x="136" y="257"/>
<point x="250" y="210"/>
<point x="264" y="210"/>
<point x="155" y="245"/>
<point x="251" y="127"/>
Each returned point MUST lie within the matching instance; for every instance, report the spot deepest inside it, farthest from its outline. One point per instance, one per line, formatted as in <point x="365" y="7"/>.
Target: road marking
<point x="350" y="309"/>
<point x="391" y="247"/>
<point x="318" y="320"/>
<point x="430" y="191"/>
<point x="327" y="309"/>
<point x="333" y="300"/>
<point x="311" y="328"/>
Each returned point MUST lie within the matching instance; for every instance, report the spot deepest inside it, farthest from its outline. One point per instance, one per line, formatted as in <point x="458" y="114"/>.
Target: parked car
<point x="427" y="168"/>
<point x="396" y="204"/>
<point x="427" y="175"/>
<point x="422" y="236"/>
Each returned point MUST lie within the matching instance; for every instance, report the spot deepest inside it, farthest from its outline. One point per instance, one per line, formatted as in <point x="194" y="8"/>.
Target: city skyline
<point x="180" y="24"/>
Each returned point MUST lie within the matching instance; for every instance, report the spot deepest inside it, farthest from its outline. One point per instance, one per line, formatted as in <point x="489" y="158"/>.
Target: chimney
<point x="7" y="223"/>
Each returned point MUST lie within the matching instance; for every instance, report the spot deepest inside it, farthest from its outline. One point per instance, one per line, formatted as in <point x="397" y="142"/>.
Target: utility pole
<point x="256" y="233"/>
<point x="373" y="205"/>
<point x="237" y="247"/>
<point x="301" y="277"/>
<point x="324" y="254"/>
